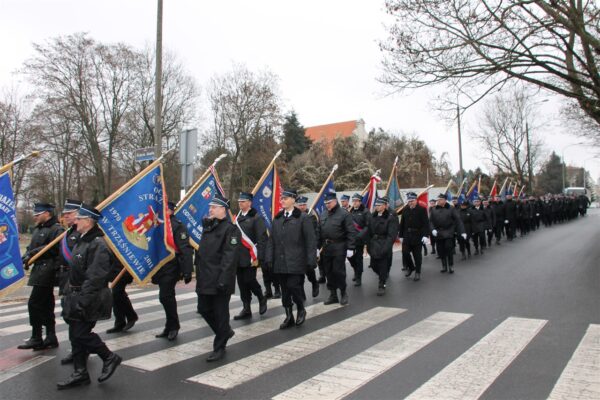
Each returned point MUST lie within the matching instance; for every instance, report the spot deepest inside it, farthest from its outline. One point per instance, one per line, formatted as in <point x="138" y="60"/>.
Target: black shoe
<point x="358" y="282"/>
<point x="409" y="273"/>
<point x="354" y="278"/>
<point x="163" y="334"/>
<point x="129" y="324"/>
<point x="498" y="243"/>
<point x="262" y="305"/>
<point x="381" y="291"/>
<point x="230" y="335"/>
<point x="417" y="277"/>
<point x="268" y="293"/>
<point x="67" y="360"/>
<point x="300" y="316"/>
<point x="289" y="319"/>
<point x="432" y="251"/>
<point x="172" y="335"/>
<point x="77" y="378"/>
<point x="216" y="355"/>
<point x="322" y="279"/>
<point x="332" y="299"/>
<point x="438" y="257"/>
<point x="315" y="289"/>
<point x="246" y="313"/>
<point x="404" y="269"/>
<point x="450" y="270"/>
<point x="116" y="329"/>
<point x="444" y="269"/>
<point x="31" y="343"/>
<point x="344" y="298"/>
<point x="50" y="342"/>
<point x="109" y="366"/>
<point x="277" y="294"/>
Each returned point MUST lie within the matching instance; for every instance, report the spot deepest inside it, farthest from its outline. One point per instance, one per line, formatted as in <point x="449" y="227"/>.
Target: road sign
<point x="144" y="154"/>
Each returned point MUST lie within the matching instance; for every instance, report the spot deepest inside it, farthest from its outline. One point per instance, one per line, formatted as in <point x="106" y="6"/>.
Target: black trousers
<point x="214" y="308"/>
<point x="84" y="341"/>
<point x="432" y="239"/>
<point x="356" y="261"/>
<point x="41" y="306"/>
<point x="511" y="229"/>
<point x="122" y="307"/>
<point x="269" y="278"/>
<point x="335" y="271"/>
<point x="490" y="234"/>
<point x="311" y="275"/>
<point x="292" y="289"/>
<point x="247" y="283"/>
<point x="412" y="263"/>
<point x="445" y="249"/>
<point x="166" y="295"/>
<point x="381" y="266"/>
<point x="479" y="240"/>
<point x="464" y="245"/>
<point x="498" y="232"/>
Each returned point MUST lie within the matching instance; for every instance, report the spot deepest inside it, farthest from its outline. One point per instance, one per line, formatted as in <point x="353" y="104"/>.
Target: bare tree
<point x="503" y="131"/>
<point x="476" y="46"/>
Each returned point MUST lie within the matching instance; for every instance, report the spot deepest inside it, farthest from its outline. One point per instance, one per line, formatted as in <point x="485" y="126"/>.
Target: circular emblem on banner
<point x="266" y="192"/>
<point x="8" y="272"/>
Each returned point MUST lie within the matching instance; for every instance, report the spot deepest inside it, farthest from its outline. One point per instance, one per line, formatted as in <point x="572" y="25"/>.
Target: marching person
<point x="479" y="221"/>
<point x="311" y="275"/>
<point x="291" y="250"/>
<point x="360" y="218"/>
<point x="432" y="203"/>
<point x="464" y="243"/>
<point x="169" y="274"/>
<point x="216" y="262"/>
<point x="413" y="232"/>
<point x="252" y="228"/>
<point x="42" y="278"/>
<point x="490" y="223"/>
<point x="510" y="217"/>
<point x="125" y="315"/>
<point x="69" y="215"/>
<point x="445" y="223"/>
<point x="87" y="299"/>
<point x="336" y="239"/>
<point x="498" y="208"/>
<point x="382" y="231"/>
<point x="345" y="202"/>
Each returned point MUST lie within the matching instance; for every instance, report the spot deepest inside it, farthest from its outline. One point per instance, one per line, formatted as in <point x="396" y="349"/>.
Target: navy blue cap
<point x="329" y="196"/>
<point x="289" y="193"/>
<point x="171" y="205"/>
<point x="381" y="200"/>
<point x="345" y="197"/>
<point x="301" y="200"/>
<point x="87" y="211"/>
<point x="219" y="200"/>
<point x="357" y="196"/>
<point x="71" y="205"/>
<point x="39" y="208"/>
<point x="411" y="196"/>
<point x="443" y="196"/>
<point x="245" y="196"/>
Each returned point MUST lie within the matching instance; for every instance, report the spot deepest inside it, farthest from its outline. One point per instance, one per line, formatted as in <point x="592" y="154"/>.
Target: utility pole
<point x="158" y="81"/>
<point x="529" y="170"/>
<point x="460" y="174"/>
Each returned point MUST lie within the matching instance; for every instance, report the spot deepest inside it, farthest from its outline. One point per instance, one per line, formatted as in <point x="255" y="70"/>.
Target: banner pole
<point x="17" y="160"/>
<point x="264" y="175"/>
<point x="419" y="195"/>
<point x="335" y="167"/>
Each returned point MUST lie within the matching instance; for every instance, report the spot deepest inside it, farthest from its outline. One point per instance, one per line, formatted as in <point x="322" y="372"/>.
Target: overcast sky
<point x="324" y="52"/>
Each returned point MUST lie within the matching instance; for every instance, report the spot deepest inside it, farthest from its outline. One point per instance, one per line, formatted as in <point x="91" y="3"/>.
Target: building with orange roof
<point x="327" y="133"/>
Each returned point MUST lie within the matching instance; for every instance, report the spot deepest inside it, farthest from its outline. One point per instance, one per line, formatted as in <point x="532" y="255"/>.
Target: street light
<point x="459" y="142"/>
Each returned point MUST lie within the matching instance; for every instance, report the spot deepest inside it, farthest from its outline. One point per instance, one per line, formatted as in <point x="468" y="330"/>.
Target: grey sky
<point x="324" y="52"/>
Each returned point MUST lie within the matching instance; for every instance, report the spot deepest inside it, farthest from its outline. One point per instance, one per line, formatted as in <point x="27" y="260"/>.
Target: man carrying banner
<point x="87" y="299"/>
<point x="251" y="254"/>
<point x="42" y="278"/>
<point x="490" y="222"/>
<point x="414" y="230"/>
<point x="337" y="236"/>
<point x="479" y="221"/>
<point x="166" y="278"/>
<point x="432" y="203"/>
<point x="311" y="275"/>
<point x="445" y="223"/>
<point x="498" y="209"/>
<point x="382" y="231"/>
<point x="292" y="249"/>
<point x="216" y="262"/>
<point x="360" y="218"/>
<point x="510" y="217"/>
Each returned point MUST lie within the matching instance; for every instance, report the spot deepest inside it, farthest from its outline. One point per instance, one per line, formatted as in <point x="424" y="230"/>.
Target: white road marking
<point x="25" y="366"/>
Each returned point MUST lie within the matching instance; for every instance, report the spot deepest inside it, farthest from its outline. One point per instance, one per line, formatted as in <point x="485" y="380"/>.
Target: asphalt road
<point x="503" y="326"/>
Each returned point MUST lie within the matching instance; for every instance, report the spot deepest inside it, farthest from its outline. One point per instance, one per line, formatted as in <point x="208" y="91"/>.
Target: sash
<point x="66" y="252"/>
<point x="247" y="243"/>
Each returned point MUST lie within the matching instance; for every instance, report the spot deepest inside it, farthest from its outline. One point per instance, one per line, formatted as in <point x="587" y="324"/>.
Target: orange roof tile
<point x="330" y="131"/>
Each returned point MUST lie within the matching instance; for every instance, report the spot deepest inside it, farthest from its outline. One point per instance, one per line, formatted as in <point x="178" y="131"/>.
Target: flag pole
<point x="392" y="174"/>
<point x="17" y="160"/>
<point x="448" y="186"/>
<point x="419" y="195"/>
<point x="492" y="189"/>
<point x="366" y="189"/>
<point x="335" y="167"/>
<point x="199" y="181"/>
<point x="501" y="192"/>
<point x="264" y="175"/>
<point x="521" y="191"/>
<point x="461" y="186"/>
<point x="471" y="188"/>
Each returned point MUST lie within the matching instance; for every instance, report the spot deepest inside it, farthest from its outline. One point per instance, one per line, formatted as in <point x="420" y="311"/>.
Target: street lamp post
<point x="158" y="82"/>
<point x="460" y="161"/>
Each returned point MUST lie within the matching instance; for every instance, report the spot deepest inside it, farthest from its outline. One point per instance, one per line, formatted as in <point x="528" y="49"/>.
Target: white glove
<point x="506" y="221"/>
<point x="318" y="252"/>
<point x="425" y="240"/>
<point x="400" y="240"/>
<point x="349" y="253"/>
<point x="464" y="236"/>
<point x="537" y="214"/>
<point x="434" y="233"/>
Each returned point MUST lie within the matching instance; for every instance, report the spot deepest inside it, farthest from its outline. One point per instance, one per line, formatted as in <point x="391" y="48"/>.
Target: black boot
<point x="289" y="319"/>
<point x="68" y="359"/>
<point x="344" y="297"/>
<point x="409" y="273"/>
<point x="381" y="289"/>
<point x="476" y="252"/>
<point x="79" y="376"/>
<point x="464" y="257"/>
<point x="417" y="276"/>
<point x="35" y="341"/>
<point x="301" y="315"/>
<point x="444" y="266"/>
<point x="277" y="293"/>
<point x="322" y="279"/>
<point x="358" y="281"/>
<point x="51" y="341"/>
<point x="245" y="313"/>
<point x="262" y="305"/>
<point x="268" y="292"/>
<point x="332" y="299"/>
<point x="315" y="289"/>
<point x="450" y="269"/>
<point x="109" y="367"/>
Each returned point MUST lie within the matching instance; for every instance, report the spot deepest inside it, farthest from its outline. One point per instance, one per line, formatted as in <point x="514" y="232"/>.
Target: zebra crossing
<point x="467" y="376"/>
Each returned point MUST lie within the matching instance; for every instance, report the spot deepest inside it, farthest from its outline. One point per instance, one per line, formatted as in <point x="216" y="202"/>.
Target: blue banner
<point x="449" y="195"/>
<point x="462" y="196"/>
<point x="136" y="226"/>
<point x="195" y="208"/>
<point x="266" y="198"/>
<point x="319" y="203"/>
<point x="393" y="194"/>
<point x="474" y="193"/>
<point x="11" y="267"/>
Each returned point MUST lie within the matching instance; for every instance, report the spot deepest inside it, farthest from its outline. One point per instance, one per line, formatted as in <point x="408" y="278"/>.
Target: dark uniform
<point x="216" y="262"/>
<point x="490" y="222"/>
<point x="383" y="231"/>
<point x="166" y="278"/>
<point x="445" y="223"/>
<point x="510" y="218"/>
<point x="498" y="207"/>
<point x="125" y="315"/>
<point x="479" y="221"/>
<point x="414" y="229"/>
<point x="43" y="279"/>
<point x="253" y="226"/>
<point x="360" y="218"/>
<point x="311" y="274"/>
<point x="292" y="249"/>
<point x="336" y="236"/>
<point x="464" y="244"/>
<point x="87" y="299"/>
